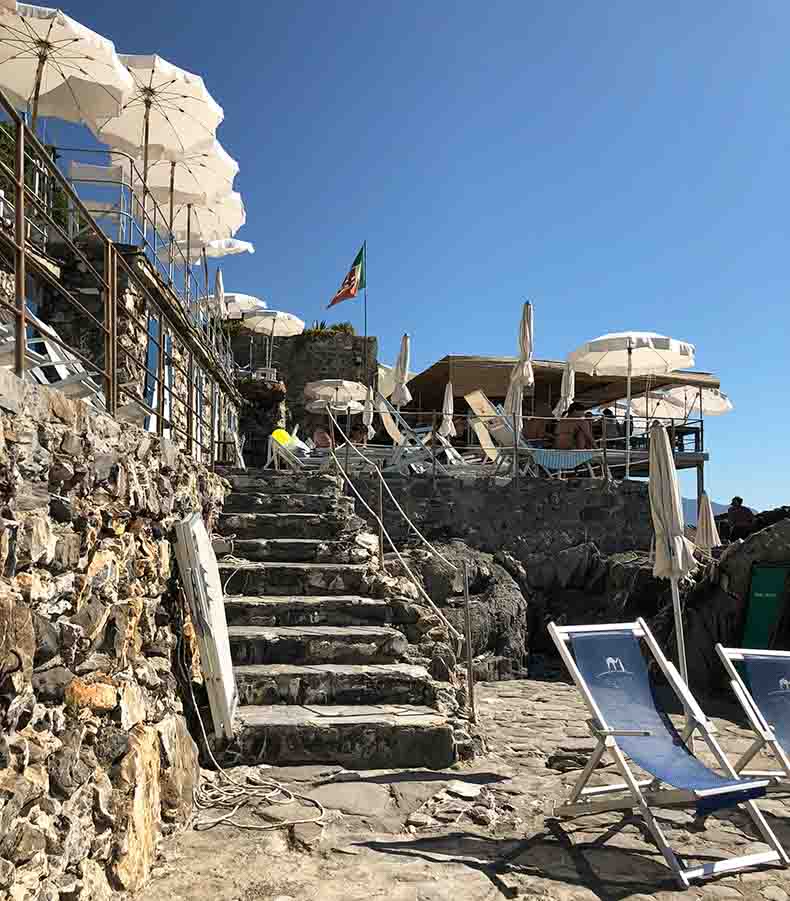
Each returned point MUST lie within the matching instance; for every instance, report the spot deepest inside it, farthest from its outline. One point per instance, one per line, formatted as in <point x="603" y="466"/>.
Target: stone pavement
<point x="475" y="832"/>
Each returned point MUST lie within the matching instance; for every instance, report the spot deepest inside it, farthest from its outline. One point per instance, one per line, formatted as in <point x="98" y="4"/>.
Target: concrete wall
<point x="545" y="517"/>
<point x="96" y="761"/>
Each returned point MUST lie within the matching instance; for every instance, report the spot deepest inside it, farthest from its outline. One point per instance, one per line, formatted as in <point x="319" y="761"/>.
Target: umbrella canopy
<point x="714" y="402"/>
<point x="238" y="305"/>
<point x="367" y="414"/>
<point x="353" y="407"/>
<point x="273" y="323"/>
<point x="169" y="113"/>
<point x="674" y="552"/>
<point x="221" y="218"/>
<point x="655" y="406"/>
<point x="522" y="375"/>
<point x="447" y="426"/>
<point x="215" y="250"/>
<point x="649" y="354"/>
<point x="338" y="391"/>
<point x="707" y="533"/>
<point x="400" y="393"/>
<point x="567" y="391"/>
<point x="59" y="67"/>
<point x="200" y="176"/>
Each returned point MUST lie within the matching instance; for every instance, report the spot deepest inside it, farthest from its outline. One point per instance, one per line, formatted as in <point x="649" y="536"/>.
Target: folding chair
<point x="495" y="425"/>
<point x="610" y="671"/>
<point x="410" y="448"/>
<point x="766" y="702"/>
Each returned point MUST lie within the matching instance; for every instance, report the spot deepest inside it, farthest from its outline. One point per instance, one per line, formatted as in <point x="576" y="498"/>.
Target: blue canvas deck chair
<point x="411" y="448"/>
<point x="766" y="703"/>
<point x="609" y="669"/>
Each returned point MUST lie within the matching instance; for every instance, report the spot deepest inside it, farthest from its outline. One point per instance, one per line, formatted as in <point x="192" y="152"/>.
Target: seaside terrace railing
<point x="98" y="311"/>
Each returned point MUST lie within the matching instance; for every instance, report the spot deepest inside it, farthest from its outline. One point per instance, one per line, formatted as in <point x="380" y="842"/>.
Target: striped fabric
<point x="557" y="460"/>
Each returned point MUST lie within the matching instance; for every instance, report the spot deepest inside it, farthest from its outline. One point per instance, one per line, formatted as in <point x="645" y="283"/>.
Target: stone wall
<point x="545" y="517"/>
<point x="96" y="762"/>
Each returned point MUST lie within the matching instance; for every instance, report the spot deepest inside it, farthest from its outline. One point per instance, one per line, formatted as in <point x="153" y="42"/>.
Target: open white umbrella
<point x="707" y="533"/>
<point x="338" y="391"/>
<point x="273" y="324"/>
<point x="199" y="176"/>
<point x="352" y="407"/>
<point x="629" y="354"/>
<point x="58" y="67"/>
<point x="567" y="391"/>
<point x="447" y="426"/>
<point x="238" y="305"/>
<point x="713" y="401"/>
<point x="400" y="393"/>
<point x="214" y="250"/>
<point x="522" y="375"/>
<point x="674" y="552"/>
<point x="655" y="406"/>
<point x="202" y="223"/>
<point x="169" y="113"/>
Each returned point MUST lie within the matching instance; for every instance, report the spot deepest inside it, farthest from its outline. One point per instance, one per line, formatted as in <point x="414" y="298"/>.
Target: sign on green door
<point x="767" y="598"/>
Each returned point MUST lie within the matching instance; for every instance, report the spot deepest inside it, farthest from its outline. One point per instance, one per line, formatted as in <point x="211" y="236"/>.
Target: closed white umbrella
<point x="674" y="552"/>
<point x="567" y="391"/>
<point x="169" y="113"/>
<point x="367" y="414"/>
<point x="400" y="393"/>
<point x="707" y="533"/>
<point x="522" y="375"/>
<point x="58" y="67"/>
<point x="447" y="426"/>
<point x="708" y="401"/>
<point x="629" y="354"/>
<point x="338" y="391"/>
<point x="219" y="292"/>
<point x="386" y="379"/>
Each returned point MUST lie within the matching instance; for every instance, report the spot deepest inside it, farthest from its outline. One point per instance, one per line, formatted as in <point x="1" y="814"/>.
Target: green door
<point x="767" y="599"/>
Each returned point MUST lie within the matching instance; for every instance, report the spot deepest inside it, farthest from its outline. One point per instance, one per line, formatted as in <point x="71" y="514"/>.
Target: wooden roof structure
<point x="492" y="375"/>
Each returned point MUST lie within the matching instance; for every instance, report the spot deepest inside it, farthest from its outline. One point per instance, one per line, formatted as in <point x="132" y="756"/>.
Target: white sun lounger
<point x="766" y="703"/>
<point x="609" y="669"/>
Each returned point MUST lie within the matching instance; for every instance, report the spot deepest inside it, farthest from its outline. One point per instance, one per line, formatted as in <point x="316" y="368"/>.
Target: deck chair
<point x="411" y="449"/>
<point x="766" y="703"/>
<point x="491" y="422"/>
<point x="609" y="669"/>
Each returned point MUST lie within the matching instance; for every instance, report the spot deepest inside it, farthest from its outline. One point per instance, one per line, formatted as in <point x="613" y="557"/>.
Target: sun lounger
<point x="410" y="448"/>
<point x="610" y="671"/>
<point x="492" y="423"/>
<point x="764" y="695"/>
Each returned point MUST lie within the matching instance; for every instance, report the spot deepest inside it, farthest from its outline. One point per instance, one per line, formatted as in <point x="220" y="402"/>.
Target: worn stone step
<point x="338" y="610"/>
<point x="281" y="525"/>
<point x="267" y="481"/>
<point x="332" y="683"/>
<point x="292" y="550"/>
<point x="315" y="644"/>
<point x="291" y="578"/>
<point x="265" y="502"/>
<point x="363" y="737"/>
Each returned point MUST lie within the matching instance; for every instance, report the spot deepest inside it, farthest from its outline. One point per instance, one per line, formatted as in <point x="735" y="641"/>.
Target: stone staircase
<point x="320" y="666"/>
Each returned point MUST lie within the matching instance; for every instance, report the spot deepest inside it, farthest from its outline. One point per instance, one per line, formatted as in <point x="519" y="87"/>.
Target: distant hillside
<point x="690" y="510"/>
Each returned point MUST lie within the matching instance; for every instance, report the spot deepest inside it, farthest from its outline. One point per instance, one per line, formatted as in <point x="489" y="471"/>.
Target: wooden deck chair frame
<point x="409" y="447"/>
<point x="495" y="423"/>
<point x="644" y="794"/>
<point x="765" y="737"/>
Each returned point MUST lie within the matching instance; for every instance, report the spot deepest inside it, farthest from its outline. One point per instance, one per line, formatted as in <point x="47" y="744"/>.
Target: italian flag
<point x="354" y="281"/>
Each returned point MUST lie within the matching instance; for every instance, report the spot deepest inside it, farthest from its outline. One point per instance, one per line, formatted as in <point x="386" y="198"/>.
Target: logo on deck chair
<point x="614" y="667"/>
<point x="784" y="687"/>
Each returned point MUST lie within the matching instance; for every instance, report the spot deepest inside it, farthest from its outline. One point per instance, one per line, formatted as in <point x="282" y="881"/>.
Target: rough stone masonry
<point x="96" y="762"/>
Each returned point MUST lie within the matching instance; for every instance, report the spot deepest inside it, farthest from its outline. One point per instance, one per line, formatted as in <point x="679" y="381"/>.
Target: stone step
<point x="363" y="737"/>
<point x="281" y="525"/>
<point x="291" y="550"/>
<point x="331" y="683"/>
<point x="315" y="644"/>
<point x="339" y="610"/>
<point x="267" y="481"/>
<point x="291" y="578"/>
<point x="263" y="502"/>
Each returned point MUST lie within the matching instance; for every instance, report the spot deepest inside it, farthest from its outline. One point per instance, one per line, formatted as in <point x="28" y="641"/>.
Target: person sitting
<point x="321" y="438"/>
<point x="740" y="519"/>
<point x="358" y="435"/>
<point x="566" y="429"/>
<point x="535" y="431"/>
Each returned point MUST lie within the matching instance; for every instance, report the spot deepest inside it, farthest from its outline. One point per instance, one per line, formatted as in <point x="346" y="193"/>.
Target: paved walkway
<point x="474" y="833"/>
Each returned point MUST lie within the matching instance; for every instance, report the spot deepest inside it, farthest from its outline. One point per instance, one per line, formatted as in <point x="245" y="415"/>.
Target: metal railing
<point x="100" y="318"/>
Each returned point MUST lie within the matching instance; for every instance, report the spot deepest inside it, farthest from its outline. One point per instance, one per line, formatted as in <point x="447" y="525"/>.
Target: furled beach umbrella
<point x="522" y="375"/>
<point x="219" y="292"/>
<point x="714" y="402"/>
<point x="367" y="414"/>
<point x="386" y="379"/>
<point x="632" y="354"/>
<point x="674" y="552"/>
<point x="58" y="67"/>
<point x="567" y="391"/>
<point x="169" y="113"/>
<point x="273" y="324"/>
<point x="447" y="426"/>
<point x="338" y="391"/>
<point x="707" y="533"/>
<point x="400" y="393"/>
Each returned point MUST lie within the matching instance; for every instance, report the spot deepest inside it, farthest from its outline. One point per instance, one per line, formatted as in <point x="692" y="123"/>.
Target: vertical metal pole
<point x="189" y="249"/>
<point x="381" y="513"/>
<point x="42" y="61"/>
<point x="19" y="252"/>
<point x="604" y="438"/>
<point x="171" y="237"/>
<point x="146" y="134"/>
<point x="701" y="448"/>
<point x="470" y="670"/>
<point x="213" y="458"/>
<point x="433" y="450"/>
<point x="160" y="419"/>
<point x="348" y="436"/>
<point x="628" y="416"/>
<point x="190" y="403"/>
<point x="109" y="294"/>
<point x="515" y="455"/>
<point x="365" y="274"/>
<point x="700" y="486"/>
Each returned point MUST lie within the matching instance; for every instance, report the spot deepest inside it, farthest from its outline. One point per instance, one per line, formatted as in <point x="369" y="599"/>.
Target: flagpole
<point x="365" y="270"/>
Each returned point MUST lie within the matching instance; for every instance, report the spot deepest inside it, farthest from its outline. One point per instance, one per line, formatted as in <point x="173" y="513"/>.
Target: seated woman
<point x="535" y="431"/>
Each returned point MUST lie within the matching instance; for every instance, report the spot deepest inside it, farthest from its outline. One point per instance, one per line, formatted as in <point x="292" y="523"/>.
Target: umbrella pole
<point x="170" y="223"/>
<point x="189" y="254"/>
<point x="42" y="61"/>
<point x="146" y="134"/>
<point x="628" y="419"/>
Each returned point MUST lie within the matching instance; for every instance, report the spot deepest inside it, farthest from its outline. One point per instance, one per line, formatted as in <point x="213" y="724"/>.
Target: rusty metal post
<point x="19" y="252"/>
<point x="379" y="467"/>
<point x="470" y="670"/>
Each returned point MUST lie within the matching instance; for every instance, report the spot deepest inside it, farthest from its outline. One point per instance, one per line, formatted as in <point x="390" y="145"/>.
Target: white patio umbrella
<point x="273" y="324"/>
<point x="567" y="391"/>
<point x="169" y="113"/>
<point x="199" y="176"/>
<point x="238" y="305"/>
<point x="522" y="375"/>
<point x="674" y="552"/>
<point x="447" y="426"/>
<point x="352" y="407"/>
<point x="707" y="533"/>
<point x="400" y="393"/>
<point x="214" y="250"/>
<point x="654" y="406"/>
<point x="58" y="67"/>
<point x="713" y="401"/>
<point x="338" y="391"/>
<point x="632" y="354"/>
<point x="202" y="223"/>
<point x="367" y="414"/>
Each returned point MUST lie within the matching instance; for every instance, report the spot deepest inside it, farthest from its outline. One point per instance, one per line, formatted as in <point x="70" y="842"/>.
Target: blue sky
<point x="621" y="164"/>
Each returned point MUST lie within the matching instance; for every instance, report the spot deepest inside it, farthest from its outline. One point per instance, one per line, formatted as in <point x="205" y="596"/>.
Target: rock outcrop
<point x="96" y="762"/>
